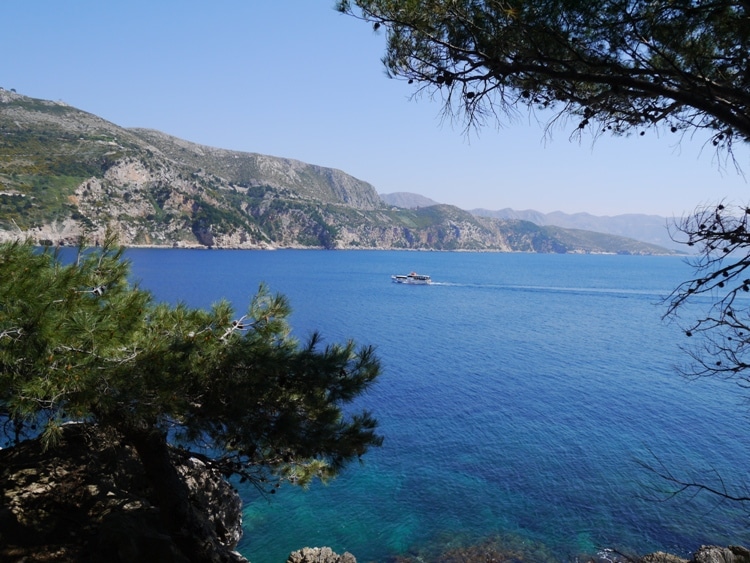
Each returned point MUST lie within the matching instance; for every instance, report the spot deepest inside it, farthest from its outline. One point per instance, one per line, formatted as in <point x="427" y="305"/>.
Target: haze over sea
<point x="519" y="393"/>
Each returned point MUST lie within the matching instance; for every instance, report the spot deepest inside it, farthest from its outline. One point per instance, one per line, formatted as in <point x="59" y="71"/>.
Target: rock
<point x="715" y="554"/>
<point x="319" y="555"/>
<point x="87" y="500"/>
<point x="661" y="557"/>
<point x="705" y="554"/>
<point x="214" y="497"/>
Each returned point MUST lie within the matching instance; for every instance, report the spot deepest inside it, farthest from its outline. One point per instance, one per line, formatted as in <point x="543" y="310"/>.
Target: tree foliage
<point x="78" y="342"/>
<point x="615" y="66"/>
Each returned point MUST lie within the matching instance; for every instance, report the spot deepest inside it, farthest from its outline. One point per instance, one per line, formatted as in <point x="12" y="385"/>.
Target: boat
<point x="412" y="278"/>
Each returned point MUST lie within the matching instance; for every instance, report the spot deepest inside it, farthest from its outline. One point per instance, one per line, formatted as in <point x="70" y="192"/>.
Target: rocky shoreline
<point x="87" y="500"/>
<point x="705" y="554"/>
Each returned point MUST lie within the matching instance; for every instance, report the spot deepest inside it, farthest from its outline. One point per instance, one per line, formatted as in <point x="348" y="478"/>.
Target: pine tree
<point x="78" y="342"/>
<point x="612" y="66"/>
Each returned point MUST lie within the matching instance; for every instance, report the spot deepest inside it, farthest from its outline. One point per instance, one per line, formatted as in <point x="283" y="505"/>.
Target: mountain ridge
<point x="650" y="228"/>
<point x="653" y="229"/>
<point x="66" y="173"/>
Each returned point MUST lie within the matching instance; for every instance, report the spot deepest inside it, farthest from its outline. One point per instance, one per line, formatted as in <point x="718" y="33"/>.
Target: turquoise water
<point x="518" y="395"/>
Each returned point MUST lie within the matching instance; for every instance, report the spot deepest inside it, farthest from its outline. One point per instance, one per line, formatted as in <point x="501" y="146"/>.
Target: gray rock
<point x="216" y="498"/>
<point x="661" y="557"/>
<point x="319" y="555"/>
<point x="716" y="554"/>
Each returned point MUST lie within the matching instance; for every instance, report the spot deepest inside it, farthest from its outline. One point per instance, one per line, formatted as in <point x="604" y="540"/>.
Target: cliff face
<point x="65" y="173"/>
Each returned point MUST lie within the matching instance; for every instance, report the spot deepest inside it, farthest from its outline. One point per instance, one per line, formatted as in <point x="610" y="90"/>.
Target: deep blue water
<point x="518" y="394"/>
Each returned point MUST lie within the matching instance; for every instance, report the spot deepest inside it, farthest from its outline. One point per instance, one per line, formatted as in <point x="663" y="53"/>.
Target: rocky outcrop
<point x="705" y="554"/>
<point x="87" y="500"/>
<point x="319" y="555"/>
<point x="715" y="554"/>
<point x="661" y="557"/>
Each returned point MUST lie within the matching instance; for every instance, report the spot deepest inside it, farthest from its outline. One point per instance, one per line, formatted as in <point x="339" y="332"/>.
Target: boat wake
<point x="555" y="289"/>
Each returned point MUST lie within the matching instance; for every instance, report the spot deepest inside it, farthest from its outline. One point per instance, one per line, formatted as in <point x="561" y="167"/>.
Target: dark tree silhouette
<point x="615" y="66"/>
<point x="717" y="295"/>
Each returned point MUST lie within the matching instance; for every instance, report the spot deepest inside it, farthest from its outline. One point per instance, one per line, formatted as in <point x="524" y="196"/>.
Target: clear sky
<point x="295" y="78"/>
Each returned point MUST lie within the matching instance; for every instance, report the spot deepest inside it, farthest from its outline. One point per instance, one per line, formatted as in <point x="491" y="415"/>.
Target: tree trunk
<point x="191" y="533"/>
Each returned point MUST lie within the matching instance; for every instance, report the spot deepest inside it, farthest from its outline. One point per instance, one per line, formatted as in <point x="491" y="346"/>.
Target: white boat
<point x="413" y="278"/>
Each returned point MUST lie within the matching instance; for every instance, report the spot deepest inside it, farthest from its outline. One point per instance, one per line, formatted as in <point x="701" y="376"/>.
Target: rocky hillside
<point x="65" y="173"/>
<point x="652" y="229"/>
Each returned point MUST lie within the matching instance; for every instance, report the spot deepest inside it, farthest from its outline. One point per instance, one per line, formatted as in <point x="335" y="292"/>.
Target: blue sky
<point x="294" y="78"/>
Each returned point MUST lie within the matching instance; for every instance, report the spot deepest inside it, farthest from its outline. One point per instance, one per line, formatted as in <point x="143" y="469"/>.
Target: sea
<point x="525" y="401"/>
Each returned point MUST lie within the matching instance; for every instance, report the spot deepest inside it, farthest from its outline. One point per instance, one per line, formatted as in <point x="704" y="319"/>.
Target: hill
<point x="65" y="173"/>
<point x="407" y="200"/>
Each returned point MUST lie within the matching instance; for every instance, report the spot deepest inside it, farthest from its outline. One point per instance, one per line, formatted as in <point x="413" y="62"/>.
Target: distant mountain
<point x="647" y="228"/>
<point x="407" y="200"/>
<point x="652" y="229"/>
<point x="65" y="173"/>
